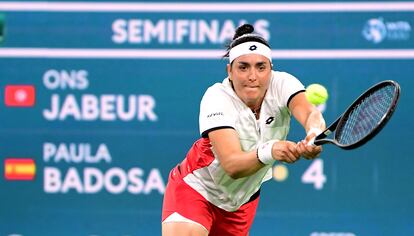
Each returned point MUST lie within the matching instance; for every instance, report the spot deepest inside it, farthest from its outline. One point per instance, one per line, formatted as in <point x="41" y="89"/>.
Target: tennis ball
<point x="316" y="94"/>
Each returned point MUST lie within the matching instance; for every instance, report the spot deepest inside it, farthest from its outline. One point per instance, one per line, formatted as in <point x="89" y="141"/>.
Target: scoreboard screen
<point x="100" y="100"/>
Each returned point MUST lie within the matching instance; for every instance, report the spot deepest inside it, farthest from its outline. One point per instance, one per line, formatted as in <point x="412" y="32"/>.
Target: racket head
<point x="367" y="115"/>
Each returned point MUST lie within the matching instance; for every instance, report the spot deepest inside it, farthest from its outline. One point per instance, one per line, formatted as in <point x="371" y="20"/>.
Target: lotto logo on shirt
<point x="19" y="95"/>
<point x="19" y="169"/>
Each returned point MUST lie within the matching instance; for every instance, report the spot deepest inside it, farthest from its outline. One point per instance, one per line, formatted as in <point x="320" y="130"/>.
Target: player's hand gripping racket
<point x="364" y="118"/>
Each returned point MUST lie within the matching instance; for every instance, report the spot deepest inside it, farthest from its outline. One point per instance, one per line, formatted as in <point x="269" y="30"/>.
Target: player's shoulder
<point x="215" y="88"/>
<point x="282" y="76"/>
<point x="283" y="85"/>
<point x="219" y="89"/>
<point x="281" y="79"/>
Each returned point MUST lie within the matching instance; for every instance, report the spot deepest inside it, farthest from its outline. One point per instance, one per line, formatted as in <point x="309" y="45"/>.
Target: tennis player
<point x="244" y="122"/>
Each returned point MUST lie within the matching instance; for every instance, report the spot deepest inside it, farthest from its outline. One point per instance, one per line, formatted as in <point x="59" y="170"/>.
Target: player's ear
<point x="229" y="71"/>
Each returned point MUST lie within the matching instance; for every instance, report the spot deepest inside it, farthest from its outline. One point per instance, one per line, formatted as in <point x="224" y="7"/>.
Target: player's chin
<point x="252" y="95"/>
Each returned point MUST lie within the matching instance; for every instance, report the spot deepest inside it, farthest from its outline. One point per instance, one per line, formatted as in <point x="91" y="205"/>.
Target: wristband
<point x="315" y="131"/>
<point x="264" y="152"/>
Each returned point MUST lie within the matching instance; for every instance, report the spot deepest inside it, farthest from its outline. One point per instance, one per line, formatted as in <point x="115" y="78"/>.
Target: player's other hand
<point x="285" y="151"/>
<point x="307" y="150"/>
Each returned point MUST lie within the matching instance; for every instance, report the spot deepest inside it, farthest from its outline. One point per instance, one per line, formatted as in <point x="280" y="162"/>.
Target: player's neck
<point x="256" y="111"/>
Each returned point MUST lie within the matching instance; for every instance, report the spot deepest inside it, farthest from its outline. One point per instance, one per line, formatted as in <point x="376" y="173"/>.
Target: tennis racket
<point x="367" y="115"/>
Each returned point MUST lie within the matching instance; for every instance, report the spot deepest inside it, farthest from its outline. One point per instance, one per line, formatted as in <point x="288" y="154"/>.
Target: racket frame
<point x="340" y="121"/>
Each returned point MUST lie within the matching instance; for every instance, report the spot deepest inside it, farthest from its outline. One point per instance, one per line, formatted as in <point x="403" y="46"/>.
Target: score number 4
<point x="314" y="175"/>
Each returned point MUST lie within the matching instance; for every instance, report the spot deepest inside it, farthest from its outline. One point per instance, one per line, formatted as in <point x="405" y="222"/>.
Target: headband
<point x="249" y="48"/>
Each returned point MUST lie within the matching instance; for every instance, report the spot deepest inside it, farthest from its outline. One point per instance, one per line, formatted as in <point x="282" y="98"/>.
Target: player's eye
<point x="242" y="67"/>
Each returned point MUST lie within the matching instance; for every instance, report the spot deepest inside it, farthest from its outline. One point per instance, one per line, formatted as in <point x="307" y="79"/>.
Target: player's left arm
<point x="311" y="119"/>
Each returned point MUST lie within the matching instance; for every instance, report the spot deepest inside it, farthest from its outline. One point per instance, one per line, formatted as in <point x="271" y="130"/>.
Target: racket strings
<point x="366" y="116"/>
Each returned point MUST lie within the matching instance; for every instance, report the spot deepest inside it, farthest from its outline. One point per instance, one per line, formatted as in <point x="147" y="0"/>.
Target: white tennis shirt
<point x="222" y="108"/>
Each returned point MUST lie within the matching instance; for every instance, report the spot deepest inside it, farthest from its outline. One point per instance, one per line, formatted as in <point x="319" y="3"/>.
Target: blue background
<point x="368" y="191"/>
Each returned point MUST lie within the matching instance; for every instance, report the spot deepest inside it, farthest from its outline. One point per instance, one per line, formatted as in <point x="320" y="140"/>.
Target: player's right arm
<point x="217" y="122"/>
<point x="238" y="163"/>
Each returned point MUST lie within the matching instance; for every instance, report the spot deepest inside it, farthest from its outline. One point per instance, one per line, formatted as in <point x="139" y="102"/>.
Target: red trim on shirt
<point x="199" y="156"/>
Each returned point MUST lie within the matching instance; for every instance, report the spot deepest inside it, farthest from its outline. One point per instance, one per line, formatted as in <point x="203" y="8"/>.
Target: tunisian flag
<point x="19" y="95"/>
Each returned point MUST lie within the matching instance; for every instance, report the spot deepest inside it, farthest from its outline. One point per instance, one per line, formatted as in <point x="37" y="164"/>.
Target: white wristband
<point x="264" y="152"/>
<point x="315" y="131"/>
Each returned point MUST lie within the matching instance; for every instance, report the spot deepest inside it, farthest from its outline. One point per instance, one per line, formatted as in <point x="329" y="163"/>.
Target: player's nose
<point x="252" y="75"/>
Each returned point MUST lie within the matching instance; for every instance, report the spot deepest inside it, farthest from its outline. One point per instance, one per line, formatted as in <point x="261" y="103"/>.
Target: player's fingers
<point x="294" y="150"/>
<point x="313" y="152"/>
<point x="300" y="147"/>
<point x="284" y="157"/>
<point x="289" y="152"/>
<point x="303" y="149"/>
<point x="293" y="153"/>
<point x="287" y="156"/>
<point x="291" y="158"/>
<point x="308" y="152"/>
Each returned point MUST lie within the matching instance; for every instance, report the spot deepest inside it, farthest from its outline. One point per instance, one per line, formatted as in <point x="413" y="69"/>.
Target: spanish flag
<point x="19" y="169"/>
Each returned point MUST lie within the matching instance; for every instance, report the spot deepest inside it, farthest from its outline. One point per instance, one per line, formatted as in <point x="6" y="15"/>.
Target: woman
<point x="244" y="122"/>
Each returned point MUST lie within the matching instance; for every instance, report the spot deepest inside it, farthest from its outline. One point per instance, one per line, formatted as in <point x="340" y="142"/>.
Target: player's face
<point x="250" y="74"/>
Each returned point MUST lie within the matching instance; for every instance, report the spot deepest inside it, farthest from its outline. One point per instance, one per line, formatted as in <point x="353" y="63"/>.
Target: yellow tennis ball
<point x="316" y="94"/>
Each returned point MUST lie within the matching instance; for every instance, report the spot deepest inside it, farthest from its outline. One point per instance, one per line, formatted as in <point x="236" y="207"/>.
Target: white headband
<point x="248" y="48"/>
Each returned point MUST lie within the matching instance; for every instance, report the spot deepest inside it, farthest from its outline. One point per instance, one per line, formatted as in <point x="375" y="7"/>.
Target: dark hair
<point x="244" y="33"/>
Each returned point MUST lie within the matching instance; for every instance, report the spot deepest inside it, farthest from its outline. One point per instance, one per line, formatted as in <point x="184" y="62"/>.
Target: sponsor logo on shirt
<point x="269" y="120"/>
<point x="215" y="114"/>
